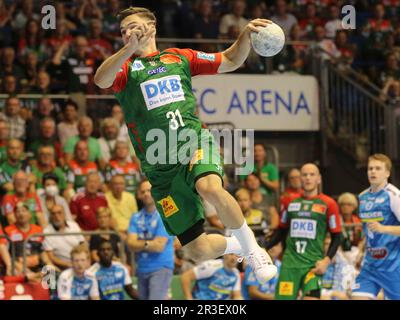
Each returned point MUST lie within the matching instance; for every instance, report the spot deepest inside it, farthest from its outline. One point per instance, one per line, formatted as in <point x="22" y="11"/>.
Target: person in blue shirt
<point x="379" y="211"/>
<point x="214" y="280"/>
<point x="252" y="289"/>
<point x="113" y="277"/>
<point x="153" y="246"/>
<point x="76" y="283"/>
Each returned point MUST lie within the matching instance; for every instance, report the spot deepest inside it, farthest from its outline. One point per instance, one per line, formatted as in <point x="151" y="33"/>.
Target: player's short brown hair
<point x="142" y="12"/>
<point x="383" y="158"/>
<point x="81" y="248"/>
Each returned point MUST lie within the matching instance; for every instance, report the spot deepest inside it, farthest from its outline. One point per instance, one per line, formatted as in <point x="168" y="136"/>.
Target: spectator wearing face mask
<point x="50" y="197"/>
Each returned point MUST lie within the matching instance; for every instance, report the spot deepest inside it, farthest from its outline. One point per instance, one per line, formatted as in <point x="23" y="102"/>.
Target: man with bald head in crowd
<point x="305" y="224"/>
<point x="85" y="128"/>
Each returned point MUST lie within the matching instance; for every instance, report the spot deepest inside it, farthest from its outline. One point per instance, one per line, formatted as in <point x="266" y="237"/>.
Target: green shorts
<point x="175" y="194"/>
<point x="292" y="280"/>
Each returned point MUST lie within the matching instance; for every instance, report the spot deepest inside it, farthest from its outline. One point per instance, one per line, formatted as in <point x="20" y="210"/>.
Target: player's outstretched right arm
<point x="106" y="73"/>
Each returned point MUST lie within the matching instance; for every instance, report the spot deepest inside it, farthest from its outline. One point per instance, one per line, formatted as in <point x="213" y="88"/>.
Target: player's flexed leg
<point x="306" y="221"/>
<point x="154" y="89"/>
<point x="380" y="210"/>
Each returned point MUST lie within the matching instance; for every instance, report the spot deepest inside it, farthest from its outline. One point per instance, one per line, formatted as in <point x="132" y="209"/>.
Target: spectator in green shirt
<point x="13" y="164"/>
<point x="267" y="172"/>
<point x="4" y="136"/>
<point x="85" y="128"/>
<point x="46" y="164"/>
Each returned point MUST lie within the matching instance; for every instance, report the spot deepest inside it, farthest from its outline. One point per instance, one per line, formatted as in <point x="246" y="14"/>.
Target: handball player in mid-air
<point x="155" y="91"/>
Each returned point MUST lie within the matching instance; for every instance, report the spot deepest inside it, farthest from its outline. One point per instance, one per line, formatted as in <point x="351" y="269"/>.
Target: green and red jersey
<point x="287" y="196"/>
<point x="11" y="199"/>
<point x="34" y="246"/>
<point x="155" y="92"/>
<point x="308" y="221"/>
<point x="76" y="173"/>
<point x="129" y="170"/>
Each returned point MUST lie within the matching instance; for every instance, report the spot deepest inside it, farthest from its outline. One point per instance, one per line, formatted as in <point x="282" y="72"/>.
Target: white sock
<point x="233" y="246"/>
<point x="246" y="238"/>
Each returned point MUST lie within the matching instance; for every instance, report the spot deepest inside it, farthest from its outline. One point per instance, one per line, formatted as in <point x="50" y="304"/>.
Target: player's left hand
<point x="375" y="227"/>
<point x="321" y="266"/>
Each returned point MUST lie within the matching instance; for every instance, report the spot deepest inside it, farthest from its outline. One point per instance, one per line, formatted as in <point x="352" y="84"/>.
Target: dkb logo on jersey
<point x="162" y="91"/>
<point x="169" y="207"/>
<point x="303" y="228"/>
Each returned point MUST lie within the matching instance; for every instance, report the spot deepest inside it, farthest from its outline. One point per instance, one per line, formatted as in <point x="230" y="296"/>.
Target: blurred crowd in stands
<point x="63" y="60"/>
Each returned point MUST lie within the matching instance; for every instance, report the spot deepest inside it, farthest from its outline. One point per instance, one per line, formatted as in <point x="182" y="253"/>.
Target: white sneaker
<point x="262" y="265"/>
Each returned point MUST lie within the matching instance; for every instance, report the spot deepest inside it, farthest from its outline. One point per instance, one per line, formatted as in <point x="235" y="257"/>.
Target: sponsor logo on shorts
<point x="170" y="59"/>
<point x="294" y="207"/>
<point x="169" y="206"/>
<point x="286" y="288"/>
<point x="309" y="276"/>
<point x="157" y="71"/>
<point x="162" y="91"/>
<point x="206" y="56"/>
<point x="318" y="208"/>
<point x="303" y="228"/>
<point x="197" y="156"/>
<point x="378" y="253"/>
<point x="137" y="65"/>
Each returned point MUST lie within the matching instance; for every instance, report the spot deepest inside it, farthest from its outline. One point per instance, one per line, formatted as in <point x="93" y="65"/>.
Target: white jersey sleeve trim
<point x="394" y="195"/>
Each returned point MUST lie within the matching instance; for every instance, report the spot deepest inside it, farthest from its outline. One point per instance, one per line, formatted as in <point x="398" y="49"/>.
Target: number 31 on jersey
<point x="176" y="120"/>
